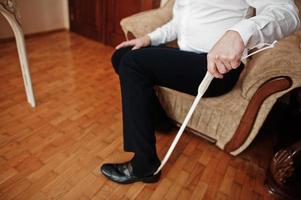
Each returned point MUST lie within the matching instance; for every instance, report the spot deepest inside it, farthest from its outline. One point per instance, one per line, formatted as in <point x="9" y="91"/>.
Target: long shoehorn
<point x="201" y="91"/>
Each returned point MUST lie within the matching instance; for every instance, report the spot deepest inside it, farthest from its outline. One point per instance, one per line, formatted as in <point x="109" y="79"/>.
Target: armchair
<point x="230" y="121"/>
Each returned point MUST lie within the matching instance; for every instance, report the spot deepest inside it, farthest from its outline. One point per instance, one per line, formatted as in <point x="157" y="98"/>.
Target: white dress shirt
<point x="198" y="24"/>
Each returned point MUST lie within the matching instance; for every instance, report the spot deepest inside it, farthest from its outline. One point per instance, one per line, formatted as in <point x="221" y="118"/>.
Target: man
<point x="212" y="35"/>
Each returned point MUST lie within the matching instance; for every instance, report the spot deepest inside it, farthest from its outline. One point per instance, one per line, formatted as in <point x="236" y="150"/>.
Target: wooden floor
<point x="54" y="150"/>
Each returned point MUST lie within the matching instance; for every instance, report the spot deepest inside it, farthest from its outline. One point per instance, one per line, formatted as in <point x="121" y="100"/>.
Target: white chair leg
<point x="22" y="54"/>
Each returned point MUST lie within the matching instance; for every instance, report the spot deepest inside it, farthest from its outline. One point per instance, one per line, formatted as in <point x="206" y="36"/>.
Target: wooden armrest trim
<point x="268" y="88"/>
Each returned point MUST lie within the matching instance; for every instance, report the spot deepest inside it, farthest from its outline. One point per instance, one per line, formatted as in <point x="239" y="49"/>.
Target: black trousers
<point x="139" y="71"/>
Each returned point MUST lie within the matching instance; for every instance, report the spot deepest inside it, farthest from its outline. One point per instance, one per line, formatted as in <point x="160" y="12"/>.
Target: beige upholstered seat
<point x="233" y="120"/>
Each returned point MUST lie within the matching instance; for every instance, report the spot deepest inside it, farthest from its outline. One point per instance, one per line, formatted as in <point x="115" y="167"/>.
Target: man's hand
<point x="136" y="43"/>
<point x="225" y="54"/>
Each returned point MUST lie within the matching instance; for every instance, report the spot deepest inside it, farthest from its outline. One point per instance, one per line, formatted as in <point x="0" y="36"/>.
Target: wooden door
<point x="100" y="19"/>
<point x="87" y="18"/>
<point x="118" y="9"/>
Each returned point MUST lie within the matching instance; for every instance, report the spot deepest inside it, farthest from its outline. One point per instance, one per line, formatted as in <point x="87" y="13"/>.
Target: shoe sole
<point x="151" y="179"/>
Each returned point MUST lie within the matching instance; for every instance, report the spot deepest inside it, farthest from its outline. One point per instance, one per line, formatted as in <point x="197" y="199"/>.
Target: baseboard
<point x="31" y="35"/>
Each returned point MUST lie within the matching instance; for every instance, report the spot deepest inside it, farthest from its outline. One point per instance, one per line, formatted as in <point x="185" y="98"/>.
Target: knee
<point x="126" y="63"/>
<point x="133" y="62"/>
<point x="118" y="56"/>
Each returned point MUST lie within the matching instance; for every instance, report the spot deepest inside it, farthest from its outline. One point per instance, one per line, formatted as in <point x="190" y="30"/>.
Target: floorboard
<point x="54" y="151"/>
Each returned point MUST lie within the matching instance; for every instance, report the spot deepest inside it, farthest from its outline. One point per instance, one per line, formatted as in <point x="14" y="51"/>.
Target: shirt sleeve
<point x="275" y="19"/>
<point x="166" y="33"/>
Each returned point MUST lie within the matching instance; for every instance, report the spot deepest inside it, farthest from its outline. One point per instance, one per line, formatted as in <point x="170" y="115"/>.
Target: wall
<point x="38" y="16"/>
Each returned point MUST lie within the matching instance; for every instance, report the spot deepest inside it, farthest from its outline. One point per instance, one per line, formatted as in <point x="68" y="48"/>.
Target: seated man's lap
<point x="173" y="68"/>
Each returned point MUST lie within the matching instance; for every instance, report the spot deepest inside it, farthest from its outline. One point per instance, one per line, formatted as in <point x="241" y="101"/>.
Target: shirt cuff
<point x="246" y="28"/>
<point x="155" y="37"/>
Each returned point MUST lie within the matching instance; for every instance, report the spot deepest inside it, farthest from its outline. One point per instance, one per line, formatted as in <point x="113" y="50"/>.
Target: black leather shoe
<point x="123" y="173"/>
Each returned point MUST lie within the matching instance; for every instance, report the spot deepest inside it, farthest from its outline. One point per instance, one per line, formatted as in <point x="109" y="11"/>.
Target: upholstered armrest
<point x="145" y="22"/>
<point x="283" y="60"/>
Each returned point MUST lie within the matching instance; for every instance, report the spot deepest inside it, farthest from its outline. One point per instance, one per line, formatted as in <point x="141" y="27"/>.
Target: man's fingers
<point x="136" y="43"/>
<point x="216" y="73"/>
<point x="229" y="50"/>
<point x="136" y="47"/>
<point x="126" y="44"/>
<point x="226" y="61"/>
<point x="235" y="63"/>
<point x="212" y="68"/>
<point x="120" y="45"/>
<point x="222" y="69"/>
